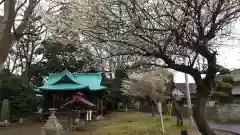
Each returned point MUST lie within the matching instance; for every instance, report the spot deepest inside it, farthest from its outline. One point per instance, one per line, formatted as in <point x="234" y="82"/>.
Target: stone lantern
<point x="52" y="126"/>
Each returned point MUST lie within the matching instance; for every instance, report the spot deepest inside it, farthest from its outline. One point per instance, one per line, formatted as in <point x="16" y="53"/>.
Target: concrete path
<point x="234" y="128"/>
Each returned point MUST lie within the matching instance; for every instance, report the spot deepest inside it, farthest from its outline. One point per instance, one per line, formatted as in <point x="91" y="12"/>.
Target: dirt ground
<point x="33" y="128"/>
<point x="25" y="129"/>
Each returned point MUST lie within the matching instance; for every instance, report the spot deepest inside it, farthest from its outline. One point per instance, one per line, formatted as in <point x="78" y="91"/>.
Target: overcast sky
<point x="229" y="54"/>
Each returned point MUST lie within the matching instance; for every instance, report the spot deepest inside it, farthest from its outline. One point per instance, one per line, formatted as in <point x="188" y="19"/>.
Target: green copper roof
<point x="77" y="81"/>
<point x="56" y="77"/>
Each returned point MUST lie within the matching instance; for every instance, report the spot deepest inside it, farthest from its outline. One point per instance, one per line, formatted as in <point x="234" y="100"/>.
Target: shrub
<point x="228" y="79"/>
<point x="22" y="97"/>
<point x="224" y="91"/>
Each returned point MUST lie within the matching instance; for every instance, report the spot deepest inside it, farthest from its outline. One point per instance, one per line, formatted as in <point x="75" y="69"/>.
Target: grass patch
<point x="131" y="123"/>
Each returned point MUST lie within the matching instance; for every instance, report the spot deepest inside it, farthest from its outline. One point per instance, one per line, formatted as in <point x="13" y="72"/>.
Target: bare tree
<point x="157" y="86"/>
<point x="24" y="52"/>
<point x="65" y="27"/>
<point x="10" y="33"/>
<point x="177" y="33"/>
<point x="28" y="46"/>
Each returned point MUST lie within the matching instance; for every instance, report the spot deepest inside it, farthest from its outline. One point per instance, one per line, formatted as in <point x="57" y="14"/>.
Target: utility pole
<point x="188" y="99"/>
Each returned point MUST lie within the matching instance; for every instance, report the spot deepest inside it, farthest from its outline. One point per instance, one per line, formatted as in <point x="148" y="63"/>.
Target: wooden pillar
<point x="97" y="104"/>
<point x="69" y="120"/>
<point x="101" y="106"/>
<point x="73" y="117"/>
<point x="54" y="101"/>
<point x="47" y="100"/>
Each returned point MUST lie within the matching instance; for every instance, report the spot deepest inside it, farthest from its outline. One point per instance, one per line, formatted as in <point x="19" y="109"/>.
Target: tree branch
<point x="2" y="2"/>
<point x="19" y="7"/>
<point x="26" y="18"/>
<point x="140" y="64"/>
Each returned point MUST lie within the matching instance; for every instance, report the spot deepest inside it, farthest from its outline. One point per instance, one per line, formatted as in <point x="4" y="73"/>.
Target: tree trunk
<point x="6" y="37"/>
<point x="5" y="46"/>
<point x="26" y="72"/>
<point x="153" y="111"/>
<point x="1" y="67"/>
<point x="126" y="107"/>
<point x="178" y="112"/>
<point x="200" y="114"/>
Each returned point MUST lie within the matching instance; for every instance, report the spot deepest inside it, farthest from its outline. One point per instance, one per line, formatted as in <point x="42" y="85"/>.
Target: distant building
<point x="181" y="92"/>
<point x="64" y="88"/>
<point x="180" y="89"/>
